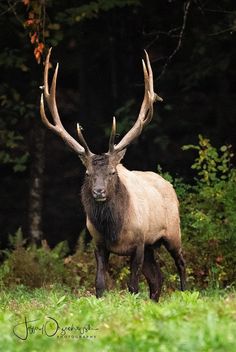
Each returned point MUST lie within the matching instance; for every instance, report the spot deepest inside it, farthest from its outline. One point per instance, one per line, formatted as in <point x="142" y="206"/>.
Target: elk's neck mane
<point x="107" y="217"/>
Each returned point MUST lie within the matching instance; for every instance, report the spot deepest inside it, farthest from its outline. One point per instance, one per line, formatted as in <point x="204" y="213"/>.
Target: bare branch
<point x="181" y="34"/>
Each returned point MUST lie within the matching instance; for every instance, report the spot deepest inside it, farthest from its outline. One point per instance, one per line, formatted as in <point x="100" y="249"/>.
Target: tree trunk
<point x="35" y="231"/>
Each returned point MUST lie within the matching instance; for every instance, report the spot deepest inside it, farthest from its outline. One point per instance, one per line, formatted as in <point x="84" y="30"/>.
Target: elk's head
<point x="101" y="173"/>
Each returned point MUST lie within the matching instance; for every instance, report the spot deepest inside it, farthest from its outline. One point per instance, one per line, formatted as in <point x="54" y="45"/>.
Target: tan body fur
<point x="152" y="213"/>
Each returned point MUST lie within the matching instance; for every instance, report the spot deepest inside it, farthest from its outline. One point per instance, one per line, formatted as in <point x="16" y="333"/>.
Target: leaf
<point x="223" y="148"/>
<point x="26" y="2"/>
<point x="61" y="299"/>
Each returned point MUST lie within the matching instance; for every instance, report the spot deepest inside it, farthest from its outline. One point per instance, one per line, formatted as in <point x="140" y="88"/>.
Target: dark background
<point x="99" y="45"/>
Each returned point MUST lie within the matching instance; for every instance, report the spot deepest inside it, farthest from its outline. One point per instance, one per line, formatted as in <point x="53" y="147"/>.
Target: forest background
<point x="191" y="140"/>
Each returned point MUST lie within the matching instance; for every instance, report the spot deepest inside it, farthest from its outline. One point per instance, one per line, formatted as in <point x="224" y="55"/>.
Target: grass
<point x="187" y="321"/>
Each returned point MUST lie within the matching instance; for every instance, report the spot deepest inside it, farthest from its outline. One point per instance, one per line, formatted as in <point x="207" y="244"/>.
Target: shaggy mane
<point x="107" y="217"/>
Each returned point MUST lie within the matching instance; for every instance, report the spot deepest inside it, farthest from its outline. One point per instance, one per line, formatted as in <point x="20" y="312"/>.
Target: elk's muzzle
<point x="99" y="194"/>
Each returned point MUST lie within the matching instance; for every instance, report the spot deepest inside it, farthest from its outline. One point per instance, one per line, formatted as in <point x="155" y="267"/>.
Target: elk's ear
<point x="119" y="156"/>
<point x="84" y="160"/>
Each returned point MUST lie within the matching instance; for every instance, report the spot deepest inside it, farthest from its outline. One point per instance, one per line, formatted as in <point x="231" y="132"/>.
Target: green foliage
<point x="212" y="165"/>
<point x="208" y="218"/>
<point x="208" y="213"/>
<point x="14" y="111"/>
<point x="12" y="59"/>
<point x="210" y="206"/>
<point x="34" y="267"/>
<point x="184" y="322"/>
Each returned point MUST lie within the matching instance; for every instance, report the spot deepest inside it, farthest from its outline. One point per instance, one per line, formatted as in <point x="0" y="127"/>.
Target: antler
<point x="145" y="114"/>
<point x="81" y="148"/>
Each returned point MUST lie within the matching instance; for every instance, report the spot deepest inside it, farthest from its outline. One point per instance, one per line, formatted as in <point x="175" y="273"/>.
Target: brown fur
<point x="107" y="217"/>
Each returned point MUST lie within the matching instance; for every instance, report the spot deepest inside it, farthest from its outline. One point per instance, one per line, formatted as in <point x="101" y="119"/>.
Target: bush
<point x="34" y="267"/>
<point x="208" y="214"/>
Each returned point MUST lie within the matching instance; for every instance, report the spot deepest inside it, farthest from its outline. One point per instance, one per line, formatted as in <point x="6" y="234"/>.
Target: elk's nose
<point x="99" y="194"/>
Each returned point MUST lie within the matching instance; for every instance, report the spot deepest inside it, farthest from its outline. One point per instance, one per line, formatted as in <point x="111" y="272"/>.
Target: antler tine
<point x="52" y="98"/>
<point x="82" y="140"/>
<point x="146" y="111"/>
<point x="112" y="136"/>
<point x="46" y="90"/>
<point x="150" y="75"/>
<point x="57" y="127"/>
<point x="148" y="89"/>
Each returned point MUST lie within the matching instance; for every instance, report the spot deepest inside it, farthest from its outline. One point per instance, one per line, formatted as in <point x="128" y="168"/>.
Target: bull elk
<point x="128" y="213"/>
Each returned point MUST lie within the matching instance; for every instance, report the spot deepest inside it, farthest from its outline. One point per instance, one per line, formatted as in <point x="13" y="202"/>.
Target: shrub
<point x="34" y="267"/>
<point x="208" y="214"/>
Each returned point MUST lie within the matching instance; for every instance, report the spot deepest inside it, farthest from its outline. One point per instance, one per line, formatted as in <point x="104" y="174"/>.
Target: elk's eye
<point x="112" y="172"/>
<point x="87" y="173"/>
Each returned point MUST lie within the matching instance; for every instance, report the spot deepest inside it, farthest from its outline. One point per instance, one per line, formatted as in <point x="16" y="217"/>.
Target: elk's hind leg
<point x="177" y="255"/>
<point x="151" y="271"/>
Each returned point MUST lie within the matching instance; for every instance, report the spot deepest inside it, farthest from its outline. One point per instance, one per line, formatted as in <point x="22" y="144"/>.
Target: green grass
<point x="181" y="322"/>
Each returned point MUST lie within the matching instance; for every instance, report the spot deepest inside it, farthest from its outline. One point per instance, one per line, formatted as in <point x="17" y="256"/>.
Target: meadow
<point x="57" y="320"/>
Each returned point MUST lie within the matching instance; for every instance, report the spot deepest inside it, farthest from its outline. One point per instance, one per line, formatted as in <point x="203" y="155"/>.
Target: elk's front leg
<point x="102" y="256"/>
<point x="136" y="263"/>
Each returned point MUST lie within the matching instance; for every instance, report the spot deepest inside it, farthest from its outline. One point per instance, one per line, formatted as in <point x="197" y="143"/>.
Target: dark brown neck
<point x="107" y="217"/>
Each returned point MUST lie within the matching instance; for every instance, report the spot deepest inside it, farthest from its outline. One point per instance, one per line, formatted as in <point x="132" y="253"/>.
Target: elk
<point x="128" y="213"/>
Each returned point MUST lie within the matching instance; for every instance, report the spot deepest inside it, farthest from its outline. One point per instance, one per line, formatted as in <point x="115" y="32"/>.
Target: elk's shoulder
<point x="148" y="179"/>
